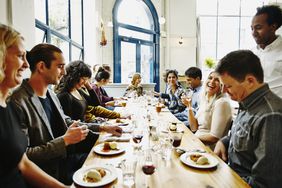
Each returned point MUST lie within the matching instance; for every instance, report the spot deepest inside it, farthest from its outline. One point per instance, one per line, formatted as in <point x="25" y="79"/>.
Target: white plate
<point x="99" y="150"/>
<point x="110" y="176"/>
<point x="185" y="158"/>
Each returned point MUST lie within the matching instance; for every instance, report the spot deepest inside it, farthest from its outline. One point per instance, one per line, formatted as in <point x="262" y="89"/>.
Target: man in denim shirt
<point x="193" y="77"/>
<point x="254" y="143"/>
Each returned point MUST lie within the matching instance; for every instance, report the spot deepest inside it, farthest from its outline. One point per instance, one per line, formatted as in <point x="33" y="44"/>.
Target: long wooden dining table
<point x="172" y="173"/>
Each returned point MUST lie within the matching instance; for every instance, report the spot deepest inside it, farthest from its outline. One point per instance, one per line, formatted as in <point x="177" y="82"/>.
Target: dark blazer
<point x="43" y="148"/>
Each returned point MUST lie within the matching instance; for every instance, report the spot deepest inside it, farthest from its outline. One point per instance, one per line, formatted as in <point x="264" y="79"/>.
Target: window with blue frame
<point x="136" y="41"/>
<point x="60" y="22"/>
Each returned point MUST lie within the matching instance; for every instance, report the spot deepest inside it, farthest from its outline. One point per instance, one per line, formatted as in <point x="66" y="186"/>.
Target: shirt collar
<point x="254" y="97"/>
<point x="274" y="44"/>
<point x="197" y="88"/>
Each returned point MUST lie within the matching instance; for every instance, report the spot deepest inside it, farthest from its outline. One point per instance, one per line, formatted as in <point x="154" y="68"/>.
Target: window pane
<point x="206" y="7"/>
<point x="58" y="16"/>
<point x="246" y="38"/>
<point x="128" y="61"/>
<point x="40" y="10"/>
<point x="63" y="45"/>
<point x="147" y="64"/>
<point x="135" y="13"/>
<point x="40" y="36"/>
<point x="134" y="34"/>
<point x="230" y="7"/>
<point x="76" y="21"/>
<point x="228" y="35"/>
<point x="249" y="7"/>
<point x="208" y="38"/>
<point x="76" y="53"/>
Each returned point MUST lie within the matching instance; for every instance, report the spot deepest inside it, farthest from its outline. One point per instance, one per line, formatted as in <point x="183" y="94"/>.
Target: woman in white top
<point x="213" y="118"/>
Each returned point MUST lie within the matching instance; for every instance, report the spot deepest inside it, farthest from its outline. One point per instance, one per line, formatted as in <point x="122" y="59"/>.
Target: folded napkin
<point x="123" y="138"/>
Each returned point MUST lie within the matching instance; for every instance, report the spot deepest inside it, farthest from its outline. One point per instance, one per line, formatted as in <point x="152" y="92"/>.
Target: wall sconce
<point x="181" y="41"/>
<point x="161" y="20"/>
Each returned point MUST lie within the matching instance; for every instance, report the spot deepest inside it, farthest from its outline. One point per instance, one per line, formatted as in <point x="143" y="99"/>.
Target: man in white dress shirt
<point x="265" y="23"/>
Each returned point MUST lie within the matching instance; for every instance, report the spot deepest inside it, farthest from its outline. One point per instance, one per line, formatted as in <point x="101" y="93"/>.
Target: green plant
<point x="210" y="62"/>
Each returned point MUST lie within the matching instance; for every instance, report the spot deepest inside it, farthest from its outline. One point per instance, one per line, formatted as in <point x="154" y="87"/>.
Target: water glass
<point x="128" y="168"/>
<point x="166" y="149"/>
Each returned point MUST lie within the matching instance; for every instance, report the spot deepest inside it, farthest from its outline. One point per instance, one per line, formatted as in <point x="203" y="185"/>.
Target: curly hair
<point x="8" y="37"/>
<point x="74" y="71"/>
<point x="274" y="14"/>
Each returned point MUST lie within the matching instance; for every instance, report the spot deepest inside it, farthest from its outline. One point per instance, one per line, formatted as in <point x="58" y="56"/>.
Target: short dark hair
<point x="102" y="74"/>
<point x="239" y="63"/>
<point x="194" y="72"/>
<point x="74" y="71"/>
<point x="274" y="14"/>
<point x="175" y="72"/>
<point x="42" y="52"/>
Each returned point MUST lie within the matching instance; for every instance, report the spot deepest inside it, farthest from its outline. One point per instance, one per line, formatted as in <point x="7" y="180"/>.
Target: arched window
<point x="136" y="41"/>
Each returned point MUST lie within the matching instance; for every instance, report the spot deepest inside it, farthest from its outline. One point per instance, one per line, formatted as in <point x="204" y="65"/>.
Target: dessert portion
<point x="109" y="146"/>
<point x="94" y="175"/>
<point x="199" y="159"/>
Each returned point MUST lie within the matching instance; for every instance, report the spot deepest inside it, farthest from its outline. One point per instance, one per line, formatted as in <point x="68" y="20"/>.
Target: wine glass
<point x="188" y="94"/>
<point x="137" y="136"/>
<point x="148" y="166"/>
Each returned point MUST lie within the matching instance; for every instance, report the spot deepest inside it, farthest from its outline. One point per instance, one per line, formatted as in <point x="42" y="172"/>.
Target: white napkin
<point x="122" y="138"/>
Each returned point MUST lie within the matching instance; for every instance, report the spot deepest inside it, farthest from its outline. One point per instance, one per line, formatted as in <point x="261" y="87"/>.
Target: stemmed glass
<point x="187" y="94"/>
<point x="148" y="166"/>
<point x="137" y="136"/>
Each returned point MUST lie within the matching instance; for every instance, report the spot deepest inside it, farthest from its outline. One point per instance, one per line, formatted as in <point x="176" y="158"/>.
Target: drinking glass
<point x="188" y="94"/>
<point x="128" y="168"/>
<point x="166" y="148"/>
<point x="176" y="138"/>
<point x="137" y="136"/>
<point x="148" y="166"/>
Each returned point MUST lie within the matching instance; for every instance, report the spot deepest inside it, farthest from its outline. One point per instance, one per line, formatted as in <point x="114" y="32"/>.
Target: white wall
<point x="3" y="12"/>
<point x="20" y="15"/>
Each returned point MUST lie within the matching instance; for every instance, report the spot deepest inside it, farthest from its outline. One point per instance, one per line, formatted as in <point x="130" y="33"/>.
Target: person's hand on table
<point x="114" y="130"/>
<point x="220" y="150"/>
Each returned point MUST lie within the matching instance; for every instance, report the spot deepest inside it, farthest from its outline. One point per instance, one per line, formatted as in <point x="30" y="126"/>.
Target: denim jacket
<point x="255" y="143"/>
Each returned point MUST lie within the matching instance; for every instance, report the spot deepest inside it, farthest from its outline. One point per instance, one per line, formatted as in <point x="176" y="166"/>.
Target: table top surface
<point x="172" y="173"/>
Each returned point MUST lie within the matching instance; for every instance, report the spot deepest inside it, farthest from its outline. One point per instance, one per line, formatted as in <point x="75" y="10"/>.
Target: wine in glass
<point x="148" y="166"/>
<point x="137" y="136"/>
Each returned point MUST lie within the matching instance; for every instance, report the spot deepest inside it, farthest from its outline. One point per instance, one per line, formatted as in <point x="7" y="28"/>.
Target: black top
<point x="75" y="108"/>
<point x="13" y="144"/>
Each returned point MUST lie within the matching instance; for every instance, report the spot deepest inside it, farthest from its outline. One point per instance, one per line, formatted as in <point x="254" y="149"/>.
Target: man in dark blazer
<point x="51" y="134"/>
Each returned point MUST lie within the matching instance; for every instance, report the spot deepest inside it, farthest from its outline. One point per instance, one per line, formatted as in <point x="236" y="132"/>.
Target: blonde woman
<point x="135" y="86"/>
<point x="15" y="168"/>
<point x="213" y="118"/>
